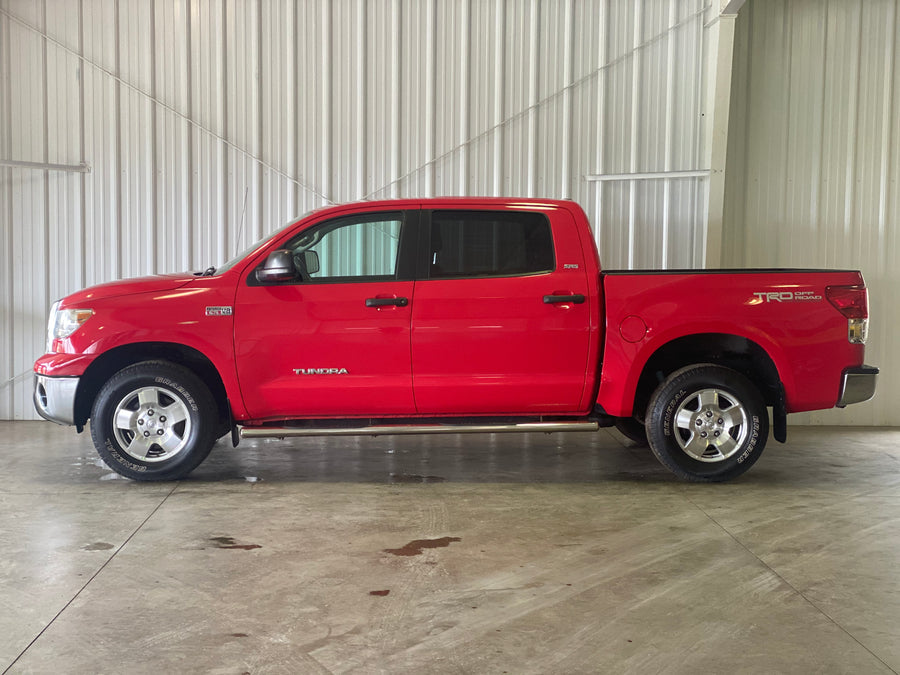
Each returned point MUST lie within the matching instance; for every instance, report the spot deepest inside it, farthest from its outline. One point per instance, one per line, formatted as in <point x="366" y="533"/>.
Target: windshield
<point x="243" y="254"/>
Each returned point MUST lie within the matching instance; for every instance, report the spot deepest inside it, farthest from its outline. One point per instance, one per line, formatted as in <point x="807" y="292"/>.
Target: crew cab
<point x="450" y="315"/>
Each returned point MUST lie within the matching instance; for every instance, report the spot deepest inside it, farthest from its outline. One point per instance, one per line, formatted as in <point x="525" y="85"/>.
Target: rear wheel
<point x="154" y="420"/>
<point x="707" y="423"/>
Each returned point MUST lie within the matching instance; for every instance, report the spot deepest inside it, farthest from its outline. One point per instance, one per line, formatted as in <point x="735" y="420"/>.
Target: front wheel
<point x="154" y="420"/>
<point x="707" y="423"/>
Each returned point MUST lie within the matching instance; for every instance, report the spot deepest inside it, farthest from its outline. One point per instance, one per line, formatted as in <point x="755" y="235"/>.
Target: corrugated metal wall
<point x="209" y="123"/>
<point x="813" y="164"/>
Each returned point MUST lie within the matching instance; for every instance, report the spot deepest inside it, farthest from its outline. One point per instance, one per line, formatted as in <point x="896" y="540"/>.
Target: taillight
<point x="853" y="303"/>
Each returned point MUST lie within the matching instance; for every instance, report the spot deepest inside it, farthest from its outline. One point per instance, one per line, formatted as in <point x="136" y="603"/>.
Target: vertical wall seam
<point x="10" y="240"/>
<point x="786" y="139"/>
<point x="46" y="174"/>
<point x="499" y="46"/>
<point x="887" y="137"/>
<point x="430" y="99"/>
<point x="464" y="85"/>
<point x="636" y="68"/>
<point x="820" y="191"/>
<point x="853" y="132"/>
<point x="569" y="86"/>
<point x="668" y="140"/>
<point x="152" y="230"/>
<point x="82" y="148"/>
<point x="326" y="99"/>
<point x="602" y="83"/>
<point x="295" y="119"/>
<point x="223" y="195"/>
<point x="118" y="181"/>
<point x="533" y="81"/>
<point x="260" y="136"/>
<point x="188" y="239"/>
<point x="361" y="101"/>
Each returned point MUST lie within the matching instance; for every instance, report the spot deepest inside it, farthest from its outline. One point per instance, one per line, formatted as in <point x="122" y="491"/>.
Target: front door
<point x="335" y="340"/>
<point x="502" y="317"/>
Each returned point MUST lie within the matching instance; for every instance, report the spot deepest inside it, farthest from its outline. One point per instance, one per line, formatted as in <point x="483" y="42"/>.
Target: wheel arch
<point x="736" y="352"/>
<point x="109" y="363"/>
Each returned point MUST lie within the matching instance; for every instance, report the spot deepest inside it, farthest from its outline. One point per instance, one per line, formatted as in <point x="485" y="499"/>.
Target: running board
<point x="408" y="429"/>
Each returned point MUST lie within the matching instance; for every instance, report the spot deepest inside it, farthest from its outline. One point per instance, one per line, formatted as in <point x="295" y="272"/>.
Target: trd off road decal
<point x="786" y="296"/>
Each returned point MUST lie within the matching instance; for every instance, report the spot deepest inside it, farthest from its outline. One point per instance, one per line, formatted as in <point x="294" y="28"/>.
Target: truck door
<point x="502" y="318"/>
<point x="334" y="341"/>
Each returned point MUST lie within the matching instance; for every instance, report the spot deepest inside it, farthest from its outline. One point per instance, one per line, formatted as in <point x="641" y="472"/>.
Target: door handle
<point x="384" y="302"/>
<point x="576" y="298"/>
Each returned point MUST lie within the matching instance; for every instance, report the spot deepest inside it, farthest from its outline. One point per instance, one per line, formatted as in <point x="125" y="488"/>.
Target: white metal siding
<point x="813" y="161"/>
<point x="209" y="123"/>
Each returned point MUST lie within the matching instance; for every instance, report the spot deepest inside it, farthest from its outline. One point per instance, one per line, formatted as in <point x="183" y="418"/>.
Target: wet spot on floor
<point x="415" y="478"/>
<point x="229" y="542"/>
<point x="380" y="594"/>
<point x="98" y="546"/>
<point x="418" y="546"/>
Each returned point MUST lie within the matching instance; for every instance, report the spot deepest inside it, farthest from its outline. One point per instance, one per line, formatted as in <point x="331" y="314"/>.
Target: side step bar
<point x="409" y="429"/>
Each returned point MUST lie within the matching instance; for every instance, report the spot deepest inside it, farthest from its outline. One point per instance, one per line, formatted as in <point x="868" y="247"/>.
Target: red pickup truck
<point x="450" y="315"/>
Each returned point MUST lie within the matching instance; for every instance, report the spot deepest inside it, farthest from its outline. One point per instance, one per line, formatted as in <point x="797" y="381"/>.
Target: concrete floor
<point x="569" y="553"/>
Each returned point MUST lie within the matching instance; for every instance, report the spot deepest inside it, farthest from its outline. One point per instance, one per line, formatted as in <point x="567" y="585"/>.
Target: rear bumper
<point x="54" y="398"/>
<point x="857" y="385"/>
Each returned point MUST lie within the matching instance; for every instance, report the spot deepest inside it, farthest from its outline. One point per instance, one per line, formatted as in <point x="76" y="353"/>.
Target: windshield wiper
<point x="208" y="272"/>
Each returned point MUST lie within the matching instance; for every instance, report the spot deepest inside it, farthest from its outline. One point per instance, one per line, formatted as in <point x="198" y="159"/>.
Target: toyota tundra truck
<point x="450" y="315"/>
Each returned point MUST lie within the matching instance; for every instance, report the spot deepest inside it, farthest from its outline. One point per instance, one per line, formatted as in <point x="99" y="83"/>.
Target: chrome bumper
<point x="857" y="385"/>
<point x="54" y="398"/>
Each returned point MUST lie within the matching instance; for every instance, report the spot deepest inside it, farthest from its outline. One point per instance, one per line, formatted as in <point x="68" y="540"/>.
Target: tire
<point x="154" y="420"/>
<point x="707" y="423"/>
<point x="633" y="430"/>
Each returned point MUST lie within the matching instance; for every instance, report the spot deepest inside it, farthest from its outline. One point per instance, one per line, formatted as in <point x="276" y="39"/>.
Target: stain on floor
<point x="230" y="543"/>
<point x="418" y="546"/>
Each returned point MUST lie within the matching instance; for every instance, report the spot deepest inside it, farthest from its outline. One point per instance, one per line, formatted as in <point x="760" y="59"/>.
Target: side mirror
<point x="311" y="262"/>
<point x="279" y="266"/>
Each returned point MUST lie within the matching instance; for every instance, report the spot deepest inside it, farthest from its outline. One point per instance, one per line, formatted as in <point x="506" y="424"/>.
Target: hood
<point x="112" y="289"/>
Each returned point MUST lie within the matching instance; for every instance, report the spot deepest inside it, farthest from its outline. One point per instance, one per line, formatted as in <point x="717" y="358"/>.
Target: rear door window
<point x="466" y="244"/>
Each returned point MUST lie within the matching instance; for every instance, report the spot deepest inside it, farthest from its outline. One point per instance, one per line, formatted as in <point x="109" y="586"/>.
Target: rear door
<point x="501" y="322"/>
<point x="335" y="342"/>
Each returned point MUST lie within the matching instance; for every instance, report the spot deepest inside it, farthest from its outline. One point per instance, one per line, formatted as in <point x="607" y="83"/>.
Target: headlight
<point x="64" y="322"/>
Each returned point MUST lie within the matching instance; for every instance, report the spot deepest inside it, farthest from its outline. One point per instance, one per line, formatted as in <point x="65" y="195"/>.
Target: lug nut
<point x="140" y="421"/>
<point x="163" y="419"/>
<point x="721" y="421"/>
<point x="149" y="412"/>
<point x="159" y="432"/>
<point x="703" y="434"/>
<point x="718" y="433"/>
<point x="699" y="423"/>
<point x="708" y="413"/>
<point x="146" y="433"/>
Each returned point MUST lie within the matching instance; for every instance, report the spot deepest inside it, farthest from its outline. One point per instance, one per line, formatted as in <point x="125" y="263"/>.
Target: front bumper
<point x="54" y="398"/>
<point x="857" y="385"/>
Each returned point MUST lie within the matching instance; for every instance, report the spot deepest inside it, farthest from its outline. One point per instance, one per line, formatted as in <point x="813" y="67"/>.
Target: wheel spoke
<point x="732" y="417"/>
<point x="725" y="444"/>
<point x="169" y="441"/>
<point x="174" y="413"/>
<point x="148" y="397"/>
<point x="139" y="446"/>
<point x="683" y="419"/>
<point x="697" y="445"/>
<point x="124" y="419"/>
<point x="708" y="397"/>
